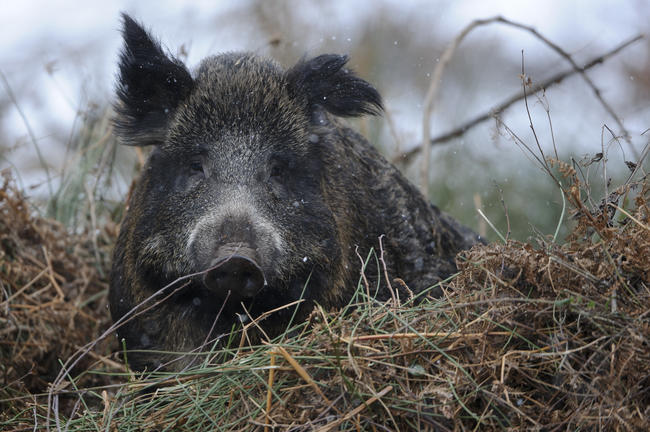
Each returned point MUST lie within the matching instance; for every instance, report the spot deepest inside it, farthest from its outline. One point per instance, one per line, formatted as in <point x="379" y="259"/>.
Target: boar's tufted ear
<point x="149" y="88"/>
<point x="329" y="85"/>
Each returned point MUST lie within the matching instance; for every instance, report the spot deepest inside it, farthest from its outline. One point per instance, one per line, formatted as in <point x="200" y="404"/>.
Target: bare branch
<point x="432" y="92"/>
<point x="393" y="130"/>
<point x="581" y="71"/>
<point x="30" y="131"/>
<point x="406" y="157"/>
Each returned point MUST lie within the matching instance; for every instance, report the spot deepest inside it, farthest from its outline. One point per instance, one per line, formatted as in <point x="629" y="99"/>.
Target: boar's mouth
<point x="235" y="276"/>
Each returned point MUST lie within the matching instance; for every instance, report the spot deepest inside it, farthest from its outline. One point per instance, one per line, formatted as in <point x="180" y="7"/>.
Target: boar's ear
<point x="329" y="85"/>
<point x="149" y="88"/>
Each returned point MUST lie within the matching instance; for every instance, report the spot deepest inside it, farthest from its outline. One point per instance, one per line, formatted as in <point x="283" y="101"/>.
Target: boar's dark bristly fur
<point x="256" y="194"/>
<point x="325" y="82"/>
<point x="150" y="88"/>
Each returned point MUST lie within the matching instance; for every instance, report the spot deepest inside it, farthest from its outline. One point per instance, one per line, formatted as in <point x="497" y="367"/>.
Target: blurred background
<point x="58" y="65"/>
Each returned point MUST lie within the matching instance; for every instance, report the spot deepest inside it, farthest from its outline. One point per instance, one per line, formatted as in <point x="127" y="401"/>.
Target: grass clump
<point x="54" y="298"/>
<point x="547" y="337"/>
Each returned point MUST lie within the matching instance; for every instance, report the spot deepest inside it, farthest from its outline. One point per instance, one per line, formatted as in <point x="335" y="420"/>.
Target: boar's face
<point x="234" y="188"/>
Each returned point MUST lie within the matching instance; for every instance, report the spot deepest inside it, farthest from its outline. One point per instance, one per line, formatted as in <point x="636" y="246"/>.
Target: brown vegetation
<point x="53" y="298"/>
<point x="551" y="338"/>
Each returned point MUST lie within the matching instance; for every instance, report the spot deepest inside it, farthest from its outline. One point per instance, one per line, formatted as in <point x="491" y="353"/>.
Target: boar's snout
<point x="235" y="249"/>
<point x="234" y="274"/>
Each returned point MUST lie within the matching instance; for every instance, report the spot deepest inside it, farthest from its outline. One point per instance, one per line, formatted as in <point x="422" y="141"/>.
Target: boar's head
<point x="234" y="191"/>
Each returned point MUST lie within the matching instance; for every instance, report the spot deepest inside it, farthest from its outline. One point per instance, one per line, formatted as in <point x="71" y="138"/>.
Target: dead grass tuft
<point x="52" y="298"/>
<point x="554" y="337"/>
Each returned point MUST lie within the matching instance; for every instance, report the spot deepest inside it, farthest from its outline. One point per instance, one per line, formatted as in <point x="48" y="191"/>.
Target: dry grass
<point x="550" y="338"/>
<point x="53" y="299"/>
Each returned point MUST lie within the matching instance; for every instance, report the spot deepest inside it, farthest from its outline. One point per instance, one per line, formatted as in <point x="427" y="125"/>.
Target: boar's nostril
<point x="238" y="275"/>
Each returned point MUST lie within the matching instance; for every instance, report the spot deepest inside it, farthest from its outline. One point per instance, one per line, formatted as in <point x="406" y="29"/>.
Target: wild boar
<point x="256" y="194"/>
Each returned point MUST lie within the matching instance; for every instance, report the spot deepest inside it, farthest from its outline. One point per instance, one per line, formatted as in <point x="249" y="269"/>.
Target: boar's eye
<point x="276" y="172"/>
<point x="196" y="166"/>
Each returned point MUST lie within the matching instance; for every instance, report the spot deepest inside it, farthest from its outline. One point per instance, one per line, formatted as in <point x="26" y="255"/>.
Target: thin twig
<point x="639" y="163"/>
<point x="436" y="78"/>
<point x="393" y="131"/>
<point x="505" y="210"/>
<point x="407" y="156"/>
<point x="393" y="293"/>
<point x="363" y="273"/>
<point x="580" y="70"/>
<point x="432" y="335"/>
<point x="57" y="287"/>
<point x="529" y="152"/>
<point x="302" y="373"/>
<point x="32" y="136"/>
<point x="489" y="222"/>
<point x="357" y="410"/>
<point x="93" y="224"/>
<point x="638" y="222"/>
<point x="525" y="82"/>
<point x="71" y="362"/>
<point x="269" y="392"/>
<point x="547" y="108"/>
